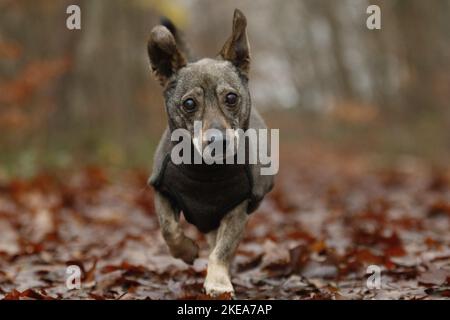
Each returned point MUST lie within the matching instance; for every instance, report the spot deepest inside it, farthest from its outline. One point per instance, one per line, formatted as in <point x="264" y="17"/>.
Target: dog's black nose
<point x="215" y="138"/>
<point x="218" y="140"/>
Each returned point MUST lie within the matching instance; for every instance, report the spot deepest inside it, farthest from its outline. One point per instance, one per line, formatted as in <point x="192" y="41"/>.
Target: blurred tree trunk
<point x="416" y="21"/>
<point x="330" y="12"/>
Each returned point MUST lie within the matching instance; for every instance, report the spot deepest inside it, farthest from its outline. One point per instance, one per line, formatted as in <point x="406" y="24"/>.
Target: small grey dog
<point x="216" y="198"/>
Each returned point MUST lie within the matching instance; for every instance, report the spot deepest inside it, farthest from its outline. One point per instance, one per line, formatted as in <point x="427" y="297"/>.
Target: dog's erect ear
<point x="165" y="57"/>
<point x="237" y="49"/>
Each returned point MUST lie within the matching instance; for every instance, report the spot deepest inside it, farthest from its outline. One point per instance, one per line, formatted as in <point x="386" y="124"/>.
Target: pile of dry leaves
<point x="326" y="221"/>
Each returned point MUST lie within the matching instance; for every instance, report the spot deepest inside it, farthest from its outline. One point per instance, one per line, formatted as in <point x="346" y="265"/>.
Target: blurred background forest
<point x="70" y="98"/>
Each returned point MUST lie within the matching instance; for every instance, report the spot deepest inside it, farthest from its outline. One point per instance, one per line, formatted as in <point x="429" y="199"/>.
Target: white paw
<point x="218" y="281"/>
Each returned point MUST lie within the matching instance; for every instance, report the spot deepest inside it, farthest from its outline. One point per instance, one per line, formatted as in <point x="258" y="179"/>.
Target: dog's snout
<point x="215" y="138"/>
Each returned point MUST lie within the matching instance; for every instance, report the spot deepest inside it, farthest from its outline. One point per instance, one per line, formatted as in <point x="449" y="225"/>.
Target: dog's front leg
<point x="227" y="239"/>
<point x="180" y="246"/>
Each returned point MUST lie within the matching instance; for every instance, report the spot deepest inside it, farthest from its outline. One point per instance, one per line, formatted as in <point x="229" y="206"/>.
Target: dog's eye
<point x="231" y="99"/>
<point x="189" y="105"/>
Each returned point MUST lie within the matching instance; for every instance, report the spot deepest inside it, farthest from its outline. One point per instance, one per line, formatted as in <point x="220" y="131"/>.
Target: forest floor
<point x="328" y="219"/>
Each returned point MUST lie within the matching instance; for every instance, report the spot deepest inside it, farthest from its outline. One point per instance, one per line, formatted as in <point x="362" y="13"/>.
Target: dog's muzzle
<point x="217" y="143"/>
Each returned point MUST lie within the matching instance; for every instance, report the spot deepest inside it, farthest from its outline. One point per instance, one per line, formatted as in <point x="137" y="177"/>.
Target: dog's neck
<point x="214" y="171"/>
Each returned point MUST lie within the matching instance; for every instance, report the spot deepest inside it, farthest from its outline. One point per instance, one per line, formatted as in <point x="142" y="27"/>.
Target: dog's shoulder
<point x="261" y="184"/>
<point x="162" y="150"/>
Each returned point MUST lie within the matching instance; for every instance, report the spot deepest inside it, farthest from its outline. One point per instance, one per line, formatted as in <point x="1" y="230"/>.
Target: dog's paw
<point x="186" y="250"/>
<point x="218" y="283"/>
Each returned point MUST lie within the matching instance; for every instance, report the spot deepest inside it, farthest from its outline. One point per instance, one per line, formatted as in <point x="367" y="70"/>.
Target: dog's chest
<point x="205" y="193"/>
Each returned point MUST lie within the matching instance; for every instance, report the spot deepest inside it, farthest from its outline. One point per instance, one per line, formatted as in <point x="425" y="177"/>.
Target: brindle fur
<point x="206" y="80"/>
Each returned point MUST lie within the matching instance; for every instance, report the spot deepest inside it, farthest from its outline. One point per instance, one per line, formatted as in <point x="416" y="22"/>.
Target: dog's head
<point x="213" y="91"/>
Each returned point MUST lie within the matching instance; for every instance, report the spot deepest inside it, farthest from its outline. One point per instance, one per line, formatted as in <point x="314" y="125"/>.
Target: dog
<point x="216" y="198"/>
